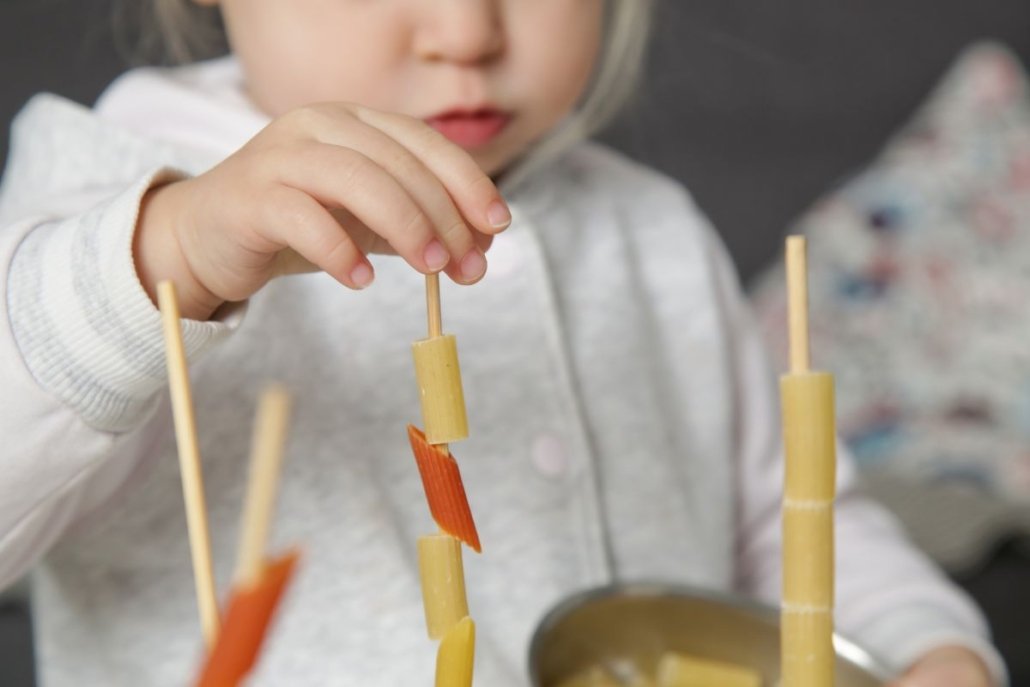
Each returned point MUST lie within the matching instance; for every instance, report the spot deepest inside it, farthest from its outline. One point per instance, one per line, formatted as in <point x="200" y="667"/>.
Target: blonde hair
<point x="180" y="31"/>
<point x="168" y="31"/>
<point x="615" y="80"/>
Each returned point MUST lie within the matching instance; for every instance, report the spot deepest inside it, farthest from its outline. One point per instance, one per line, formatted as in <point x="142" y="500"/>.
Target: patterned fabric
<point x="920" y="295"/>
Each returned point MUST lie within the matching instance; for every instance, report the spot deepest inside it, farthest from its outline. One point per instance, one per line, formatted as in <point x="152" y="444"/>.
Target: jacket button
<point x="549" y="456"/>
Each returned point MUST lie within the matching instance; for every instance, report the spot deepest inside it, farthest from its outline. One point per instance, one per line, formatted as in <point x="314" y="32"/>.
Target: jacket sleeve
<point x="81" y="365"/>
<point x="890" y="598"/>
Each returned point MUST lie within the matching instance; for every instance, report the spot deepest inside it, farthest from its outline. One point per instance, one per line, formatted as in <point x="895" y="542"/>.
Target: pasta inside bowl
<point x="618" y="635"/>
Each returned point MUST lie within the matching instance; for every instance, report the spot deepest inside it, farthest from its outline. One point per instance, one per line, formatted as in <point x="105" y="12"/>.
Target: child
<point x="624" y="421"/>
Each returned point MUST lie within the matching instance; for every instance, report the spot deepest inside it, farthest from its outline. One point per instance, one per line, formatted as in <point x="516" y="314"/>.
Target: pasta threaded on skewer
<point x="807" y="656"/>
<point x="445" y="492"/>
<point x="439" y="386"/>
<point x="456" y="655"/>
<point x="443" y="583"/>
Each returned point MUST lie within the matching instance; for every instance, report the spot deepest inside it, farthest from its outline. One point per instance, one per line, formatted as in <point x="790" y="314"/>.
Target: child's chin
<point x="497" y="155"/>
<point x="493" y="163"/>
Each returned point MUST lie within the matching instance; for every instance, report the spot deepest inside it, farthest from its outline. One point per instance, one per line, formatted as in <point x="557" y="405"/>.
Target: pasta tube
<point x="808" y="553"/>
<point x="677" y="670"/>
<point x="443" y="583"/>
<point x="245" y="625"/>
<point x="439" y="386"/>
<point x="455" y="657"/>
<point x="445" y="492"/>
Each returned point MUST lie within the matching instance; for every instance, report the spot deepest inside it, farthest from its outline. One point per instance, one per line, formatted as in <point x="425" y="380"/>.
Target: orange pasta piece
<point x="445" y="493"/>
<point x="245" y="625"/>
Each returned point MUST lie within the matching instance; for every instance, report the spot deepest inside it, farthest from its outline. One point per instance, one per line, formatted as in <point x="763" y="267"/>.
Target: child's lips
<point x="470" y="129"/>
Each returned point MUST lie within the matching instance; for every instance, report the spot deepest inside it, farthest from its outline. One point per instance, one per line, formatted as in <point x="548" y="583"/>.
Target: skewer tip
<point x="797" y="300"/>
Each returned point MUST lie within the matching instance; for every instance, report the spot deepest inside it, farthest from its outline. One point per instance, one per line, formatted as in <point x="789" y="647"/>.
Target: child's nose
<point x="462" y="31"/>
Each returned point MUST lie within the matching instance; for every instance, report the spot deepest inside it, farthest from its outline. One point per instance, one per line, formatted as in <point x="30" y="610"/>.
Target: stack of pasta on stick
<point x="233" y="641"/>
<point x="439" y="555"/>
<point x="807" y="656"/>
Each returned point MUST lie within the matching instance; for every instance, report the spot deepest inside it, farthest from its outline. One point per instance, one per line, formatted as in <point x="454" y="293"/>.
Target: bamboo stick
<point x="797" y="309"/>
<point x="433" y="305"/>
<point x="269" y="439"/>
<point x="189" y="462"/>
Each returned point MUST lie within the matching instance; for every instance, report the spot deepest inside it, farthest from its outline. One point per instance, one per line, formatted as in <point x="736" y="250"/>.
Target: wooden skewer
<point x="797" y="293"/>
<point x="433" y="305"/>
<point x="269" y="439"/>
<point x="189" y="462"/>
<point x="434" y="312"/>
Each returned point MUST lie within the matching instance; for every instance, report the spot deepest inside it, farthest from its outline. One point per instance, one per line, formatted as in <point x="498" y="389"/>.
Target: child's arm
<point x="79" y="367"/>
<point x="889" y="597"/>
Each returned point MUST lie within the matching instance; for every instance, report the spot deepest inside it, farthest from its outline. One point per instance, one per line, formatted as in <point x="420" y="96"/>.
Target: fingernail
<point x="498" y="214"/>
<point x="473" y="265"/>
<point x="436" y="256"/>
<point x="362" y="275"/>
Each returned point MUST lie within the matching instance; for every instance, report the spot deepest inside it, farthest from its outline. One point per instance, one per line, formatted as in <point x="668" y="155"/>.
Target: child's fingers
<point x="343" y="177"/>
<point x="455" y="270"/>
<point x="454" y="232"/>
<point x="369" y="242"/>
<point x="471" y="189"/>
<point x="297" y="221"/>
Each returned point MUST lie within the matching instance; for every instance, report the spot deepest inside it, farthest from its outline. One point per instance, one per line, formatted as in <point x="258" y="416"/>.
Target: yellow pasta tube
<point x="456" y="655"/>
<point x="807" y="652"/>
<point x="809" y="435"/>
<point x="808" y="542"/>
<point x="443" y="583"/>
<point x="439" y="385"/>
<point x="677" y="670"/>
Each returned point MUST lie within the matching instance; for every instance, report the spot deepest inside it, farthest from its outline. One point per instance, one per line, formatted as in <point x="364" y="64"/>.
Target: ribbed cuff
<point x="903" y="636"/>
<point x="87" y="330"/>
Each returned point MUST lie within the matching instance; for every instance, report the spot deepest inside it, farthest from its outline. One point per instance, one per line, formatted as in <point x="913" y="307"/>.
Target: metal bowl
<point x="611" y="625"/>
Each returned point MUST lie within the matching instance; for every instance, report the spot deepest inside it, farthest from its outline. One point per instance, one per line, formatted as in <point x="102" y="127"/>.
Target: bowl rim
<point x="845" y="648"/>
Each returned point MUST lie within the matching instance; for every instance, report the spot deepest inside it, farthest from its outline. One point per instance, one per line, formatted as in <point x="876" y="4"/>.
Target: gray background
<point x="757" y="106"/>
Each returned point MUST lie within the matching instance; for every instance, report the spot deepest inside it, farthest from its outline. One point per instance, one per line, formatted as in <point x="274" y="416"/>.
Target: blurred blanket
<point x="920" y="305"/>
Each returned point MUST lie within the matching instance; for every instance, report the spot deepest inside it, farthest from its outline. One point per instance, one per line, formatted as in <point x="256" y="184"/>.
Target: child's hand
<point x="947" y="667"/>
<point x="318" y="189"/>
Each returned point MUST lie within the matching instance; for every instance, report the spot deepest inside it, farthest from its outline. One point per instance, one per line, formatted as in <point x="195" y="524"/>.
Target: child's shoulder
<point x="46" y="112"/>
<point x="59" y="147"/>
<point x="145" y="88"/>
<point x="200" y="107"/>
